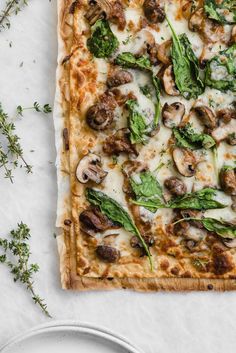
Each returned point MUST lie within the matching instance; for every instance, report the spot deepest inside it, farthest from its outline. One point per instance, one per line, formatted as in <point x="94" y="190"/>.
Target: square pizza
<point x="145" y="120"/>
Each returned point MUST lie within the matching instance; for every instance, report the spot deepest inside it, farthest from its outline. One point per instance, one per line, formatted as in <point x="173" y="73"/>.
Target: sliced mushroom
<point x="130" y="168"/>
<point x="222" y="132"/>
<point x="100" y="115"/>
<point x="206" y="116"/>
<point x="173" y="114"/>
<point x="233" y="36"/>
<point x="163" y="52"/>
<point x="230" y="243"/>
<point x="185" y="161"/>
<point x="142" y="43"/>
<point x="176" y="186"/>
<point x="108" y="253"/>
<point x="226" y="115"/>
<point x="228" y="181"/>
<point x="93" y="221"/>
<point x="110" y="9"/>
<point x="192" y="214"/>
<point x="89" y="168"/>
<point x="153" y="11"/>
<point x="119" y="143"/>
<point x="196" y="20"/>
<point x="231" y="139"/>
<point x="168" y="81"/>
<point x="136" y="243"/>
<point x="186" y="8"/>
<point x="119" y="77"/>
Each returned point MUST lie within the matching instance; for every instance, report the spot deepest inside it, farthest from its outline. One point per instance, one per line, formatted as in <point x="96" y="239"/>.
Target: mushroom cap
<point x="230" y="243"/>
<point x="206" y="115"/>
<point x="169" y="82"/>
<point x="185" y="161"/>
<point x="163" y="52"/>
<point x="172" y="114"/>
<point x="89" y="169"/>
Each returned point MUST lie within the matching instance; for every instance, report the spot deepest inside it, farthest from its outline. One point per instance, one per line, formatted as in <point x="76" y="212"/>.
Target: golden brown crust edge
<point x="66" y="248"/>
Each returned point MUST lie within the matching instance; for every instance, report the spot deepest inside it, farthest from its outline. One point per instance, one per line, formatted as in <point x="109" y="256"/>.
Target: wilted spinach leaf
<point x="199" y="200"/>
<point x="128" y="60"/>
<point x="221" y="70"/>
<point x="136" y="123"/>
<point x="187" y="137"/>
<point x="114" y="211"/>
<point x="103" y="42"/>
<point x="223" y="12"/>
<point x="185" y="66"/>
<point x="147" y="190"/>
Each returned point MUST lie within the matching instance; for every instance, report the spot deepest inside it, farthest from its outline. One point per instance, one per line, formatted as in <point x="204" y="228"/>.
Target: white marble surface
<point x="162" y="322"/>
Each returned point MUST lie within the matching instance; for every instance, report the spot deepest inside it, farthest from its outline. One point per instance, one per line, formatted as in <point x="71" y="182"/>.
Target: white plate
<point x="69" y="337"/>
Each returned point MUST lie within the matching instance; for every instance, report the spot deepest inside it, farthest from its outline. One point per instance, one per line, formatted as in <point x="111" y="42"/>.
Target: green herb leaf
<point x="128" y="60"/>
<point x="185" y="65"/>
<point x="16" y="253"/>
<point x="11" y="7"/>
<point x="221" y="70"/>
<point x="147" y="191"/>
<point x="187" y="137"/>
<point x="114" y="211"/>
<point x="103" y="42"/>
<point x="223" y="12"/>
<point x="200" y="200"/>
<point x="136" y="123"/>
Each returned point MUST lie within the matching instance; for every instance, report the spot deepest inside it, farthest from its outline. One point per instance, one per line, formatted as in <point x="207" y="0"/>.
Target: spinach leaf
<point x="187" y="137"/>
<point x="199" y="200"/>
<point x="222" y="228"/>
<point x="185" y="66"/>
<point x="114" y="211"/>
<point x="103" y="42"/>
<point x="136" y="123"/>
<point x="157" y="85"/>
<point x="146" y="90"/>
<point x="128" y="60"/>
<point x="221" y="70"/>
<point x="223" y="12"/>
<point x="148" y="190"/>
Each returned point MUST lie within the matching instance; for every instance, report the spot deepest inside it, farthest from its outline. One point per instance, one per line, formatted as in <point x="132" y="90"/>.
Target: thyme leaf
<point x="15" y="255"/>
<point x="11" y="7"/>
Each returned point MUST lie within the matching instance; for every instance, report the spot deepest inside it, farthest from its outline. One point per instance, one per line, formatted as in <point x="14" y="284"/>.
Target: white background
<point x="162" y="322"/>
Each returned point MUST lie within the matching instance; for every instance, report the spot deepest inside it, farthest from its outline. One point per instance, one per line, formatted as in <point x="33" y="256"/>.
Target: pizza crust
<point x="68" y="239"/>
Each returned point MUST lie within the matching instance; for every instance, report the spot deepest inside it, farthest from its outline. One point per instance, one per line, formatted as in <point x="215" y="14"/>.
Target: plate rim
<point x="82" y="327"/>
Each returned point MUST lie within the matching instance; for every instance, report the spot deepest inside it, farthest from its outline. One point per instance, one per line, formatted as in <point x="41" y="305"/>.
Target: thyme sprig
<point x="14" y="149"/>
<point x="11" y="7"/>
<point x="46" y="108"/>
<point x="15" y="254"/>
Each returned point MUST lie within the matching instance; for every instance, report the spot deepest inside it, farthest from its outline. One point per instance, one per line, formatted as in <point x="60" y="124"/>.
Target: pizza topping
<point x="221" y="70"/>
<point x="185" y="66"/>
<point x="119" y="143"/>
<point x="187" y="137"/>
<point x="135" y="242"/>
<point x="223" y="11"/>
<point x="195" y="20"/>
<point x="223" y="130"/>
<point x="117" y="214"/>
<point x="176" y="186"/>
<point x="108" y="253"/>
<point x="118" y="78"/>
<point x="100" y="115"/>
<point x="93" y="221"/>
<point x="233" y="36"/>
<point x="206" y="116"/>
<point x="228" y="180"/>
<point x="204" y="199"/>
<point x="100" y="9"/>
<point x="129" y="60"/>
<point x="231" y="139"/>
<point x="163" y="52"/>
<point x="173" y="114"/>
<point x="89" y="168"/>
<point x="168" y="81"/>
<point x="153" y="11"/>
<point x="222" y="263"/>
<point x="226" y="114"/>
<point x="185" y="161"/>
<point x="102" y="42"/>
